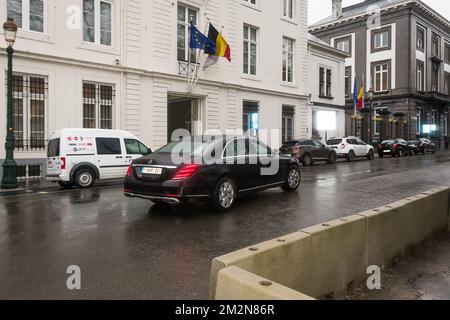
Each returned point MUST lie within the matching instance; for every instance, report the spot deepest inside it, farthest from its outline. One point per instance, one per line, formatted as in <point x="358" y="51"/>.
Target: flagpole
<point x="189" y="59"/>
<point x="200" y="54"/>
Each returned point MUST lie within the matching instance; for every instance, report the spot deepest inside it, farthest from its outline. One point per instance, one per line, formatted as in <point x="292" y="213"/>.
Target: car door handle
<point x="129" y="157"/>
<point x="119" y="157"/>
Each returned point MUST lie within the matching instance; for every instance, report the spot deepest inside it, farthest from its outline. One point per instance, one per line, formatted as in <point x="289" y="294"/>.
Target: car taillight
<point x="186" y="172"/>
<point x="298" y="148"/>
<point x="129" y="171"/>
<point x="342" y="146"/>
<point x="395" y="146"/>
<point x="63" y="163"/>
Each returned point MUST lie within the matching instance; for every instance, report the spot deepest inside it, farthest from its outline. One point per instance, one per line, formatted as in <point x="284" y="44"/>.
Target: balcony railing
<point x="30" y="145"/>
<point x="188" y="69"/>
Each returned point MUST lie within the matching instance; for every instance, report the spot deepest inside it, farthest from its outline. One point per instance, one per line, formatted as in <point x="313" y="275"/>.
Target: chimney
<point x="337" y="8"/>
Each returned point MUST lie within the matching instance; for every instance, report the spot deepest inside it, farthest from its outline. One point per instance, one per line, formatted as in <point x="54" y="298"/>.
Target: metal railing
<point x="188" y="69"/>
<point x="30" y="145"/>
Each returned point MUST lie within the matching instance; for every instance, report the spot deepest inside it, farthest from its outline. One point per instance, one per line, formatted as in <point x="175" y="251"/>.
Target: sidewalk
<point x="45" y="185"/>
<point x="423" y="275"/>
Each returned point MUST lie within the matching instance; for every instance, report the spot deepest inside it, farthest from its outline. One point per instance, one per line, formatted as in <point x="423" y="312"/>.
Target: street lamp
<point x="9" y="180"/>
<point x="370" y="94"/>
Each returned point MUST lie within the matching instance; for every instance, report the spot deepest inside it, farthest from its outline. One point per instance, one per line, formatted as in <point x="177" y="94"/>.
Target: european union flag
<point x="200" y="41"/>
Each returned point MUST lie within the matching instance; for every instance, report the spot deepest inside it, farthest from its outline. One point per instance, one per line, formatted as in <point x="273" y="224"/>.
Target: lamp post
<point x="9" y="180"/>
<point x="371" y="128"/>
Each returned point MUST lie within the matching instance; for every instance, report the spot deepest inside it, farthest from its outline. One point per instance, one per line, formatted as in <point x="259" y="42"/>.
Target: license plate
<point x="387" y="151"/>
<point x="154" y="171"/>
<point x="287" y="155"/>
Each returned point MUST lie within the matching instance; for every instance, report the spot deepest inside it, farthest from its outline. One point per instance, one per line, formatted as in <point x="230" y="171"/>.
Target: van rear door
<point x="54" y="157"/>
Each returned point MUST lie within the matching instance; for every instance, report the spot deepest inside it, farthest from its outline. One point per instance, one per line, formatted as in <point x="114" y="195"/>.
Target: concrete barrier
<point x="238" y="284"/>
<point x="322" y="260"/>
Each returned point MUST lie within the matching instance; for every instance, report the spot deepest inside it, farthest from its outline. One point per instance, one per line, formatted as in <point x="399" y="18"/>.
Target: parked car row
<point x="308" y="151"/>
<point x="236" y="166"/>
<point x="401" y="147"/>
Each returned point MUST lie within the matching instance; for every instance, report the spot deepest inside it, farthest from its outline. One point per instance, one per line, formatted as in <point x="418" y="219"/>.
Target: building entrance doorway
<point x="184" y="113"/>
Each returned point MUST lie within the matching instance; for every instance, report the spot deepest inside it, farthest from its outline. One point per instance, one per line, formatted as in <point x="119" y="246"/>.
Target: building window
<point x="29" y="104"/>
<point x="419" y="121"/>
<point x="447" y="84"/>
<point x="325" y="75"/>
<point x="435" y="46"/>
<point x="250" y="117"/>
<point x="420" y="76"/>
<point x="447" y="53"/>
<point x="288" y="60"/>
<point x="420" y="39"/>
<point x="381" y="39"/>
<point x="433" y="117"/>
<point x="287" y="126"/>
<point x="98" y="101"/>
<point x="435" y="77"/>
<point x="381" y="72"/>
<point x="288" y="9"/>
<point x="348" y="81"/>
<point x="28" y="14"/>
<point x="446" y="124"/>
<point x="185" y="16"/>
<point x="250" y="50"/>
<point x="343" y="44"/>
<point x="97" y="22"/>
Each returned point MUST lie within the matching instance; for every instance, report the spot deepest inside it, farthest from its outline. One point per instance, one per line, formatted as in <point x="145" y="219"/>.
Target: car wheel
<point x="224" y="195"/>
<point x="370" y="155"/>
<point x="307" y="160"/>
<point x="332" y="158"/>
<point x="351" y="156"/>
<point x="65" y="185"/>
<point x="293" y="179"/>
<point x="84" y="178"/>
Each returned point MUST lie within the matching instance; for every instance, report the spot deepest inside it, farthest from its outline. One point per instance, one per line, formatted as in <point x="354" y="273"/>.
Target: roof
<point x="323" y="45"/>
<point x="363" y="7"/>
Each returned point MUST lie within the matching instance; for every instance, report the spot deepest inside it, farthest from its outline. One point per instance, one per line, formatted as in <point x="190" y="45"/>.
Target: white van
<point x="82" y="156"/>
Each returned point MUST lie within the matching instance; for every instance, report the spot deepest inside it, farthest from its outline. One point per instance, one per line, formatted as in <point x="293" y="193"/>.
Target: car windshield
<point x="334" y="142"/>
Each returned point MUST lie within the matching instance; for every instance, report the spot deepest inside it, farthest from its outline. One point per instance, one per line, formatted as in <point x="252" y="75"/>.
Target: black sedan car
<point x="210" y="169"/>
<point x="308" y="151"/>
<point x="422" y="146"/>
<point x="397" y="147"/>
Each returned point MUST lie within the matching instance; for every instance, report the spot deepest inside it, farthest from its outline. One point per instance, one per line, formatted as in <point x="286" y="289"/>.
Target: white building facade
<point x="327" y="81"/>
<point x="122" y="64"/>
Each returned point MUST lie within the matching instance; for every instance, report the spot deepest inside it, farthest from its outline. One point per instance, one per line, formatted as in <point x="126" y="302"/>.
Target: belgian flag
<point x="222" y="47"/>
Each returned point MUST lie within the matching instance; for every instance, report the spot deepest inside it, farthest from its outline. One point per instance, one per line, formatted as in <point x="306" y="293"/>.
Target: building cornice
<point x="413" y="4"/>
<point x="147" y="73"/>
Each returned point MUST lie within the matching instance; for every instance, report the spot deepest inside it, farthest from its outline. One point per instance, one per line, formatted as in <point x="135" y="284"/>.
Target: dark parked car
<point x="422" y="145"/>
<point x="308" y="151"/>
<point x="397" y="147"/>
<point x="224" y="169"/>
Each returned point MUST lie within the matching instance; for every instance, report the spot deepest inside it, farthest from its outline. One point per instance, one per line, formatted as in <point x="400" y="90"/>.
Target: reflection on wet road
<point x="128" y="249"/>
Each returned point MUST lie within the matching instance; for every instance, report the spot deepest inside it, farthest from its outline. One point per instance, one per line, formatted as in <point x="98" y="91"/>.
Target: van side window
<point x="135" y="147"/>
<point x="106" y="146"/>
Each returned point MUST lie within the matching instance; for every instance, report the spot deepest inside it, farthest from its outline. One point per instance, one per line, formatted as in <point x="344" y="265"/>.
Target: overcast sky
<point x="319" y="9"/>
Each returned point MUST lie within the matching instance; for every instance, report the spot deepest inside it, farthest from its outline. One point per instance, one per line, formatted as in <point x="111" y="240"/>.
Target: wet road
<point x="126" y="249"/>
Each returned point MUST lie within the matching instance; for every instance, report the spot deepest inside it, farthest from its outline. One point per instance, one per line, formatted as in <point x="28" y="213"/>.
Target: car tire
<point x="84" y="178"/>
<point x="370" y="155"/>
<point x="65" y="185"/>
<point x="224" y="196"/>
<point x="307" y="160"/>
<point x="351" y="156"/>
<point x="293" y="179"/>
<point x="332" y="158"/>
